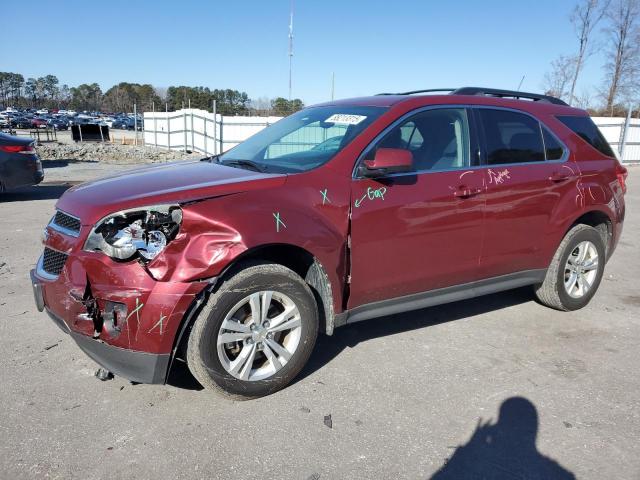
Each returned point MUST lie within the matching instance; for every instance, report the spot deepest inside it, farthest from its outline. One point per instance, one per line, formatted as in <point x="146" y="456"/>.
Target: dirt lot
<point x="391" y="398"/>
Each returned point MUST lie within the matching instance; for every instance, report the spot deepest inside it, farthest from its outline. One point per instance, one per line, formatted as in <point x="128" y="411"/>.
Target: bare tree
<point x="585" y="16"/>
<point x="558" y="81"/>
<point x="583" y="100"/>
<point x="623" y="32"/>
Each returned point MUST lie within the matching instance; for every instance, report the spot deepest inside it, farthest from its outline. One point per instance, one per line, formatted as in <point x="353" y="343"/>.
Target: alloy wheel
<point x="581" y="269"/>
<point x="259" y="335"/>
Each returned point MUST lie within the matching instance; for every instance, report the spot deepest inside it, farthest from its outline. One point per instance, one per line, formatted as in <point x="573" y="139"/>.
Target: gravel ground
<point x="110" y="153"/>
<point x="65" y="149"/>
<point x="390" y="398"/>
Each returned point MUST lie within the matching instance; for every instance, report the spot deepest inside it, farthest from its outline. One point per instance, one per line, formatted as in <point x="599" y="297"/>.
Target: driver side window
<point x="438" y="139"/>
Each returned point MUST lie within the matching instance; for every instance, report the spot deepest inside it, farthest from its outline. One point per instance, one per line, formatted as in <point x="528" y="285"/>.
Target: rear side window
<point x="511" y="137"/>
<point x="588" y="131"/>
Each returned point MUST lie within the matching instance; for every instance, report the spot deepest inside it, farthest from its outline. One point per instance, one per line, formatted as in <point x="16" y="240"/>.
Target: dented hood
<point x="167" y="183"/>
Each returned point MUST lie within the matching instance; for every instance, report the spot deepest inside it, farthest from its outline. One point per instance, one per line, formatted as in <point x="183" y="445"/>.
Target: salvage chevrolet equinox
<point x="339" y="213"/>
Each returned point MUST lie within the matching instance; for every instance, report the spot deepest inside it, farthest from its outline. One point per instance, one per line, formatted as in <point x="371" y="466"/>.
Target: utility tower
<point x="290" y="47"/>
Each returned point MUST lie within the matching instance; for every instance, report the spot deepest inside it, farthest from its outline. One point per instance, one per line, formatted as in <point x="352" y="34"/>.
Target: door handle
<point x="561" y="177"/>
<point x="463" y="192"/>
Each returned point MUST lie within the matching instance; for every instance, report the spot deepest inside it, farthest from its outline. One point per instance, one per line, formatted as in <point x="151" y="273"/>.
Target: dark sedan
<point x="19" y="164"/>
<point x="21" y="122"/>
<point x="58" y="124"/>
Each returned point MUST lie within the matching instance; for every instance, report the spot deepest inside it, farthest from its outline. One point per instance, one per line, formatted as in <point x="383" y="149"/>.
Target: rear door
<point x="527" y="171"/>
<point x="422" y="230"/>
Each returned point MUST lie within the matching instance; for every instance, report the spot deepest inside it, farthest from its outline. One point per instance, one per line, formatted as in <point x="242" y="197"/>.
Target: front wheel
<point x="255" y="333"/>
<point x="575" y="271"/>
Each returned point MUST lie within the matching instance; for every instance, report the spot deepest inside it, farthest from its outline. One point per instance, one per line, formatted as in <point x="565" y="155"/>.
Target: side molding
<point x="440" y="296"/>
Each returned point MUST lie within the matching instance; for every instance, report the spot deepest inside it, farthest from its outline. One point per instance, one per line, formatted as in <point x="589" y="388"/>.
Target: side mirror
<point x="388" y="160"/>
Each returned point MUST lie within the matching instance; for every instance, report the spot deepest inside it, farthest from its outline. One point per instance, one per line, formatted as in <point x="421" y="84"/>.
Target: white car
<point x="43" y="111"/>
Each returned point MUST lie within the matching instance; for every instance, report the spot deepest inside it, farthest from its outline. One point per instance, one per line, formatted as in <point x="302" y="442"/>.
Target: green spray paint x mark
<point x="279" y="222"/>
<point x="325" y="199"/>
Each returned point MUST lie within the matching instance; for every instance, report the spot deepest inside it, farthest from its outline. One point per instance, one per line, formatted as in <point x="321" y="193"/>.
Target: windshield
<point x="302" y="141"/>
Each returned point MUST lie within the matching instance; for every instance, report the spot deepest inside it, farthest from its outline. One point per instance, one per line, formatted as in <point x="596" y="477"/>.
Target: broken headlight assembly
<point x="142" y="232"/>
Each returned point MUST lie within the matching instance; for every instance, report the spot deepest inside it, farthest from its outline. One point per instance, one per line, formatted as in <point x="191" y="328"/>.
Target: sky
<point x="371" y="46"/>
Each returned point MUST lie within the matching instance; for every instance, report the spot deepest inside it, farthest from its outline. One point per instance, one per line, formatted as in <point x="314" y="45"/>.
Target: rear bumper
<point x="16" y="172"/>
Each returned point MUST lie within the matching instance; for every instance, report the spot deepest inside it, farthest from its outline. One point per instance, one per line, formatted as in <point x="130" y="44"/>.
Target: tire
<point x="553" y="291"/>
<point x="217" y="365"/>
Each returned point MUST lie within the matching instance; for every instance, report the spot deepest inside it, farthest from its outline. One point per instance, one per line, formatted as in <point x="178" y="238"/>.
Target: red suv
<point x="342" y="212"/>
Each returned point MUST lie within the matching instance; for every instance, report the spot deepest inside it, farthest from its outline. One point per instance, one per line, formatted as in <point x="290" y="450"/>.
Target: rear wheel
<point x="575" y="271"/>
<point x="255" y="333"/>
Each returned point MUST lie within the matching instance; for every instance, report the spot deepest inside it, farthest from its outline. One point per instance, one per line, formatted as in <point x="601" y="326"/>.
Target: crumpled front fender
<point x="203" y="246"/>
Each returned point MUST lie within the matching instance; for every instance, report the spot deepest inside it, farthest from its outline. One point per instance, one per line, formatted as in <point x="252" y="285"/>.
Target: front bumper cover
<point x="137" y="366"/>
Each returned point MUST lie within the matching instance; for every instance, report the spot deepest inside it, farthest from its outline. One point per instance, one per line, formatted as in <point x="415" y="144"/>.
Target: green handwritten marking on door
<point x="279" y="221"/>
<point x="325" y="199"/>
<point x="371" y="194"/>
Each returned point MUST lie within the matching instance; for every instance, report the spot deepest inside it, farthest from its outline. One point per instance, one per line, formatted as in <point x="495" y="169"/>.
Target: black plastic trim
<point x="440" y="296"/>
<point x="141" y="367"/>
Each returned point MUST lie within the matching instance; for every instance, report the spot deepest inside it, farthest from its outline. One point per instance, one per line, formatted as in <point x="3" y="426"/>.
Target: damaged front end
<point x="117" y="287"/>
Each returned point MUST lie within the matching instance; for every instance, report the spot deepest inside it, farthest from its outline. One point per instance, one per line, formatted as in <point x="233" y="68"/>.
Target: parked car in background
<point x="21" y="122"/>
<point x="235" y="263"/>
<point x="39" y="122"/>
<point x="123" y="123"/>
<point x="19" y="163"/>
<point x="58" y="124"/>
<point x="82" y="120"/>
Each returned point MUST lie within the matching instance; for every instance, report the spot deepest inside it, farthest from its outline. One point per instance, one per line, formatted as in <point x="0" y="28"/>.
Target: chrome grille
<point x="53" y="261"/>
<point x="67" y="222"/>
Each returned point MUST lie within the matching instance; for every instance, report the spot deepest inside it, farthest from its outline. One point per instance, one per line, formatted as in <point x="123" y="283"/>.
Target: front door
<point x="418" y="231"/>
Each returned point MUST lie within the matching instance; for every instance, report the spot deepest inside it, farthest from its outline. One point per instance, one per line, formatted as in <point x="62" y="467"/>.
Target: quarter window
<point x="552" y="147"/>
<point x="438" y="139"/>
<point x="511" y="137"/>
<point x="588" y="131"/>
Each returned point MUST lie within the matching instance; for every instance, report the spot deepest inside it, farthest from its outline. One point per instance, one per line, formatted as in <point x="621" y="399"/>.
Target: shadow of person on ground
<point x="327" y="348"/>
<point x="504" y="450"/>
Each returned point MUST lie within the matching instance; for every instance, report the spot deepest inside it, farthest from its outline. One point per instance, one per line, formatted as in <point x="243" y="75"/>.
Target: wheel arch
<point x="291" y="256"/>
<point x="301" y="261"/>
<point x="599" y="220"/>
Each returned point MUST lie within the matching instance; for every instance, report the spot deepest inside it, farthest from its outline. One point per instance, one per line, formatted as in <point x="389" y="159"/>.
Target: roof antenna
<point x="520" y="84"/>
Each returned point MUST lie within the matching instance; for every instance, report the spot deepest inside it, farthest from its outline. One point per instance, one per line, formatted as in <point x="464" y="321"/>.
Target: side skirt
<point x="440" y="296"/>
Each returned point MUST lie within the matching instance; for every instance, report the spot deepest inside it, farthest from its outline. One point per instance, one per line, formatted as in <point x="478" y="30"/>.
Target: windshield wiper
<point x="246" y="164"/>
<point x="211" y="159"/>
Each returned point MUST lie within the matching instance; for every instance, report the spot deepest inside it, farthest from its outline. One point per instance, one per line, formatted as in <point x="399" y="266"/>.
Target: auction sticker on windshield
<point x="345" y="119"/>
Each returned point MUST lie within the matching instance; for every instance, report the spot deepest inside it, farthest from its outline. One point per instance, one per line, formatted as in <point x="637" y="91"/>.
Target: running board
<point x="440" y="296"/>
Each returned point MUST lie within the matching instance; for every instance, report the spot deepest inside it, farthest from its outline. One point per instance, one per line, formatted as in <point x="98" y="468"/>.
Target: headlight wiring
<point x="144" y="232"/>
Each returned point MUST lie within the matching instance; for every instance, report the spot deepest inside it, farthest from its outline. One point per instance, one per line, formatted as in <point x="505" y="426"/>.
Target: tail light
<point x="621" y="173"/>
<point x="26" y="149"/>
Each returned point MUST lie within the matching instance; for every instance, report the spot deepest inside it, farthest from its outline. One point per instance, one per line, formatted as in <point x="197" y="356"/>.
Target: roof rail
<point x="494" y="92"/>
<point x="430" y="90"/>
